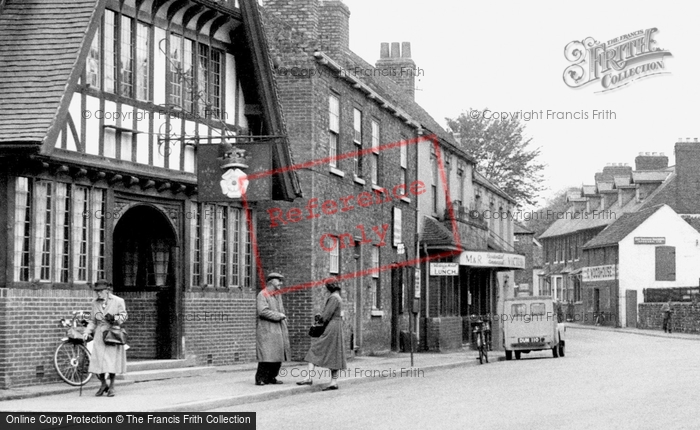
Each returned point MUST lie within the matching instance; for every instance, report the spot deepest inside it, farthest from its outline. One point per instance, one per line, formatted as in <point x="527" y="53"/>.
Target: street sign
<point x="444" y="269"/>
<point x="401" y="249"/>
<point x="649" y="240"/>
<point x="416" y="283"/>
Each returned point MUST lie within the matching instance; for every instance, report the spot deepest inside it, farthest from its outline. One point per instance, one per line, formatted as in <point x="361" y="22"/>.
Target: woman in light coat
<point x="106" y="360"/>
<point x="328" y="350"/>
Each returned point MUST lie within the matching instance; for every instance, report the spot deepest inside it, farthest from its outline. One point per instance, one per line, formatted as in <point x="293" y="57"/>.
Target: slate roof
<point x="521" y="229"/>
<point x="618" y="230"/>
<point x="435" y="233"/>
<point x="649" y="176"/>
<point x="481" y="179"/>
<point x="40" y="43"/>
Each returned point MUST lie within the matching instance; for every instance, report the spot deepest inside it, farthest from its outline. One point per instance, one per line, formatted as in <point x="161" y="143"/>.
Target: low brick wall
<point x="684" y="319"/>
<point x="30" y="332"/>
<point x="220" y="325"/>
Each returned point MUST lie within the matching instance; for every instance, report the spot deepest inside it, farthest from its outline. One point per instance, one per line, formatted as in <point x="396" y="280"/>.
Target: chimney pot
<point x="662" y="154"/>
<point x="696" y="139"/>
<point x="406" y="50"/>
<point x="384" y="50"/>
<point x="641" y="153"/>
<point x="395" y="50"/>
<point x="653" y="153"/>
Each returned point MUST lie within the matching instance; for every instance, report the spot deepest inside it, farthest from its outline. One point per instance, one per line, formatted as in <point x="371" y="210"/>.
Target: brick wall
<point x="142" y="323"/>
<point x="685" y="317"/>
<point x="220" y="324"/>
<point x="443" y="333"/>
<point x="294" y="249"/>
<point x="30" y="332"/>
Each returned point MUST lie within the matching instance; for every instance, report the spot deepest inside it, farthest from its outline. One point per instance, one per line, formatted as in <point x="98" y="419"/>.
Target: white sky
<point x="508" y="55"/>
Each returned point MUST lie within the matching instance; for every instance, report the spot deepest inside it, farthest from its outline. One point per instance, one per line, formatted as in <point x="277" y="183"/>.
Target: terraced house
<point x="105" y="107"/>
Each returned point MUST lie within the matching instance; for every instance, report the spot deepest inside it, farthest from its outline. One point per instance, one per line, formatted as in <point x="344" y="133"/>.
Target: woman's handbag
<point x="317" y="330"/>
<point x="115" y="335"/>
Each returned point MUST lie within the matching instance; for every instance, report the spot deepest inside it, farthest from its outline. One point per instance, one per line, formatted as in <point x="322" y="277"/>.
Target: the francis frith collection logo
<point x="615" y="63"/>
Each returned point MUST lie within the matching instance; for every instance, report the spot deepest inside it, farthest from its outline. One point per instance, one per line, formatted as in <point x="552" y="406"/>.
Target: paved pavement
<point x="229" y="386"/>
<point x="234" y="385"/>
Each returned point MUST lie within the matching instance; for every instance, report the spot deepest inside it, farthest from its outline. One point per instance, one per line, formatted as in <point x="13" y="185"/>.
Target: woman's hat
<point x="102" y="284"/>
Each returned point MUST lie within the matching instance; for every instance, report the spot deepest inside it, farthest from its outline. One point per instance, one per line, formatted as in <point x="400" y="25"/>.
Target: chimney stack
<point x="650" y="161"/>
<point x="687" y="177"/>
<point x="334" y="26"/>
<point x="396" y="63"/>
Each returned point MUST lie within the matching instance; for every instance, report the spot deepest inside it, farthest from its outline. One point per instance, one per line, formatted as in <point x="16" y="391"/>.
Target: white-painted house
<point x="652" y="248"/>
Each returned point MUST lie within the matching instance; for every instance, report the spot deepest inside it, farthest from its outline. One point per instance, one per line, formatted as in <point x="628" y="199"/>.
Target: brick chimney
<point x="615" y="169"/>
<point x="334" y="26"/>
<point x="688" y="176"/>
<point x="398" y="65"/>
<point x="301" y="15"/>
<point x="650" y="161"/>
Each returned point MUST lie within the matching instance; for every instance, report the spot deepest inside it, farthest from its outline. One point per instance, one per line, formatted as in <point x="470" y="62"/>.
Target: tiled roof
<point x="694" y="222"/>
<point x="435" y="233"/>
<point x="621" y="181"/>
<point x="588" y="190"/>
<point x="481" y="179"/>
<point x="521" y="229"/>
<point x="649" y="176"/>
<point x="40" y="43"/>
<point x="604" y="186"/>
<point x="618" y="230"/>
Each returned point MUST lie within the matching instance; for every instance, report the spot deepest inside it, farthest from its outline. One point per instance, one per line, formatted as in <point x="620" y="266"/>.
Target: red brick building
<point x="336" y="103"/>
<point x="104" y="107"/>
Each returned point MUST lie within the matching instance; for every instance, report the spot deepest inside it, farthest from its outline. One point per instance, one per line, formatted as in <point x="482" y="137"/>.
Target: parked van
<point x="532" y="324"/>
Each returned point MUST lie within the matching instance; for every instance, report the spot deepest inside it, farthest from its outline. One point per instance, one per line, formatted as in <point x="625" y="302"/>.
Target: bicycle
<point x="72" y="358"/>
<point x="482" y="333"/>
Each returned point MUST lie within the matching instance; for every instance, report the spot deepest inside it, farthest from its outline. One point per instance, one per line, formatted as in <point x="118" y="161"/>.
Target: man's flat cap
<point x="274" y="275"/>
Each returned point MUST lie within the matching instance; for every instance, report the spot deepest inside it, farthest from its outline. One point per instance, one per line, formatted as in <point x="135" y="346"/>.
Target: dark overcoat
<point x="106" y="358"/>
<point x="272" y="338"/>
<point x="329" y="350"/>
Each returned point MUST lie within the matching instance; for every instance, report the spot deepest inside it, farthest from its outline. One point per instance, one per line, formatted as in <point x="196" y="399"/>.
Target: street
<point x="606" y="380"/>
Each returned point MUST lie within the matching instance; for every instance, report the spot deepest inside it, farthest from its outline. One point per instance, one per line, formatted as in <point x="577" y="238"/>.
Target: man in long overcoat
<point x="272" y="337"/>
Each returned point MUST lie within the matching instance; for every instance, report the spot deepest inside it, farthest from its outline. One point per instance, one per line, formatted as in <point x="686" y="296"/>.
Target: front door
<point x="396" y="300"/>
<point x="145" y="261"/>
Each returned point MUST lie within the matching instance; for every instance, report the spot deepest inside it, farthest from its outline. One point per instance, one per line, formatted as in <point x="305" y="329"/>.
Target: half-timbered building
<point x="104" y="106"/>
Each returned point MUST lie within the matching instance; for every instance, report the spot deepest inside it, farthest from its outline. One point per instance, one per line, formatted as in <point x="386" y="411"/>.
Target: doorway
<point x="144" y="261"/>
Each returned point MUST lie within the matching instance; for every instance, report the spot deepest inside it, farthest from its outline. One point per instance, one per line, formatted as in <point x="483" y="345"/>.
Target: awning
<point x="496" y="260"/>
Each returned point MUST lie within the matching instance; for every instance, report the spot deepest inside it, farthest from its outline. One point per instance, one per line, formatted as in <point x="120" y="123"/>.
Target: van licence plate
<point x="530" y="339"/>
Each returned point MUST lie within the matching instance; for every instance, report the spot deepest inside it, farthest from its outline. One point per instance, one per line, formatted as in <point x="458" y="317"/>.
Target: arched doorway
<point x="145" y="261"/>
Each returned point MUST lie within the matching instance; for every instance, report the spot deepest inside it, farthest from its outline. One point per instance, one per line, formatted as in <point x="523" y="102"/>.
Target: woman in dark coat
<point x="328" y="350"/>
<point x="106" y="360"/>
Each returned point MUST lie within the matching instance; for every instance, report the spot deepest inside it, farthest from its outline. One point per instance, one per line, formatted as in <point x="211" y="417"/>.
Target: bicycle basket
<point x="76" y="333"/>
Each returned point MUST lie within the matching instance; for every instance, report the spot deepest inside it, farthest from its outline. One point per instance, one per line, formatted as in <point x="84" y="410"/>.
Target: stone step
<point x="158" y="374"/>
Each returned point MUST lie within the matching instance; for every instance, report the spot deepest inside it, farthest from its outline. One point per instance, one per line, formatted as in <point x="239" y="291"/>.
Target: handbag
<point x="115" y="335"/>
<point x="317" y="330"/>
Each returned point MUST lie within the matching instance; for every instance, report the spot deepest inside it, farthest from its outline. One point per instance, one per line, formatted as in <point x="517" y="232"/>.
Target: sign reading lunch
<point x="615" y="63"/>
<point x="492" y="259"/>
<point x="599" y="273"/>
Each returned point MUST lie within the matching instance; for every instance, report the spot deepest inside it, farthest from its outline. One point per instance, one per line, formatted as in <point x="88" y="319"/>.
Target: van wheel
<point x="517" y="355"/>
<point x="509" y="355"/>
<point x="561" y="348"/>
<point x="555" y="351"/>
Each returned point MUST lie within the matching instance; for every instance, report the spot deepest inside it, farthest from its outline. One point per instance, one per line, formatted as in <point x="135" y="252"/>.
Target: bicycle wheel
<point x="72" y="361"/>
